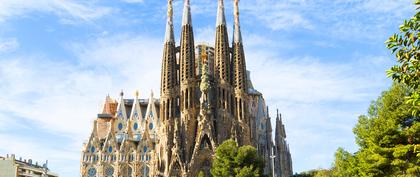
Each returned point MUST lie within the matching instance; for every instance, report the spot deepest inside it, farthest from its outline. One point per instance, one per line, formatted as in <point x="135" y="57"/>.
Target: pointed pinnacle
<point x="169" y="33"/>
<point x="186" y="17"/>
<point x="221" y="20"/>
<point x="237" y="36"/>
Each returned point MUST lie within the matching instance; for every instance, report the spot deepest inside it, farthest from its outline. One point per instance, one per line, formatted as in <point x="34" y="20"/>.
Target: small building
<point x="12" y="167"/>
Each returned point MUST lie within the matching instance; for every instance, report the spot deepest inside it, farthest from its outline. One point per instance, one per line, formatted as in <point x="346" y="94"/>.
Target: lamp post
<point x="272" y="160"/>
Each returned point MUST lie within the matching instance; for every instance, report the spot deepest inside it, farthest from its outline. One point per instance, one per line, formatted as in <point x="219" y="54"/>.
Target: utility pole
<point x="272" y="160"/>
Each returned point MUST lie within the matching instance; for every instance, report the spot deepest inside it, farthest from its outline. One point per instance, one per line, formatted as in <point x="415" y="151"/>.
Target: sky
<point x="320" y="62"/>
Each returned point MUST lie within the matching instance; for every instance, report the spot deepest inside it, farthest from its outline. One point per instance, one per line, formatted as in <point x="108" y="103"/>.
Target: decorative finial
<point x="137" y="93"/>
<point x="122" y="93"/>
<point x="221" y="20"/>
<point x="186" y="18"/>
<point x="170" y="10"/>
<point x="236" y="8"/>
<point x="169" y="36"/>
<point x="237" y="36"/>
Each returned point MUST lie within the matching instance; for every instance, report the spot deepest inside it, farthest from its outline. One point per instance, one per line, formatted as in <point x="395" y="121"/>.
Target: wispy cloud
<point x="67" y="10"/>
<point x="349" y="19"/>
<point x="7" y="45"/>
<point x="133" y="1"/>
<point x="319" y="100"/>
<point x="63" y="98"/>
<point x="55" y="86"/>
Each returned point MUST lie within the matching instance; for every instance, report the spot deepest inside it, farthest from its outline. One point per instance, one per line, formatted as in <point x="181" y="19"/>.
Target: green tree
<point x="233" y="161"/>
<point x="201" y="174"/>
<point x="406" y="47"/>
<point x="389" y="140"/>
<point x="315" y="173"/>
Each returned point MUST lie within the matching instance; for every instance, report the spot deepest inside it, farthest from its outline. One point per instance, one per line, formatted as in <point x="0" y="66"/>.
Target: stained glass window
<point x="136" y="126"/>
<point x="120" y="126"/>
<point x="109" y="171"/>
<point x="91" y="172"/>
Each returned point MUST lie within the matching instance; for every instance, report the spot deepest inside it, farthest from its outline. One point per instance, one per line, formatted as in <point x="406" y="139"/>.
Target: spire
<point x="169" y="34"/>
<point x="237" y="36"/>
<point x="187" y="54"/>
<point x="239" y="65"/>
<point x="151" y="112"/>
<point x="222" y="56"/>
<point x="136" y="113"/>
<point x="109" y="105"/>
<point x="221" y="20"/>
<point x="121" y="113"/>
<point x="168" y="75"/>
<point x="186" y="17"/>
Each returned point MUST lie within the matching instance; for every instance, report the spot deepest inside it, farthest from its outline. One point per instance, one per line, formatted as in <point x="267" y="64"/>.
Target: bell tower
<point x="188" y="86"/>
<point x="223" y="77"/>
<point x="240" y="81"/>
<point x="169" y="101"/>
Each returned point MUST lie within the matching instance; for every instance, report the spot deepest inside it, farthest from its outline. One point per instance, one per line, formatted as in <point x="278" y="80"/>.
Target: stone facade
<point x="206" y="97"/>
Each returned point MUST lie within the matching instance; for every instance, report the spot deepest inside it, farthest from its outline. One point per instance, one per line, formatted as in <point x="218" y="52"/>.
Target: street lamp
<point x="272" y="160"/>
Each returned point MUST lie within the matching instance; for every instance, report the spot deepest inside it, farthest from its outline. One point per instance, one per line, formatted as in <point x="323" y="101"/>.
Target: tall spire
<point x="168" y="78"/>
<point x="186" y="17"/>
<point x="222" y="56"/>
<point x="237" y="36"/>
<point x="187" y="55"/>
<point x="188" y="87"/>
<point x="221" y="20"/>
<point x="239" y="65"/>
<point x="169" y="34"/>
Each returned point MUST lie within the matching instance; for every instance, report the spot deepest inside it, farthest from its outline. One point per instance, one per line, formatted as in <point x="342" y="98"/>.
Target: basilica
<point x="206" y="97"/>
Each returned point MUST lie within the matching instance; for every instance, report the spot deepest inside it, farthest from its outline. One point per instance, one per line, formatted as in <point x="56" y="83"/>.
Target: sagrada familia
<point x="206" y="97"/>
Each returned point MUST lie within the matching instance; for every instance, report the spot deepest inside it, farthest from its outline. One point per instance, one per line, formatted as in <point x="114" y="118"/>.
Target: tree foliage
<point x="233" y="161"/>
<point x="389" y="140"/>
<point x="406" y="47"/>
<point x="201" y="174"/>
<point x="315" y="173"/>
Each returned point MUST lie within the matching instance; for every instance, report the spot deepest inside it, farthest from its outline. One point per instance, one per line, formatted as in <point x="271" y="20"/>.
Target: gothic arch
<point x="205" y="143"/>
<point x="175" y="169"/>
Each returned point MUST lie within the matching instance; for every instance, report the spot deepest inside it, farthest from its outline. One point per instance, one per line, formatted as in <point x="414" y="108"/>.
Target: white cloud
<point x="308" y="80"/>
<point x="133" y="1"/>
<point x="355" y="20"/>
<point x="133" y="61"/>
<point x="47" y="91"/>
<point x="206" y="34"/>
<point x="66" y="9"/>
<point x="320" y="101"/>
<point x="8" y="45"/>
<point x="63" y="98"/>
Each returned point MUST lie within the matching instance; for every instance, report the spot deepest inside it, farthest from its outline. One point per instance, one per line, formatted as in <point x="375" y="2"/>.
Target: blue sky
<point x="320" y="62"/>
